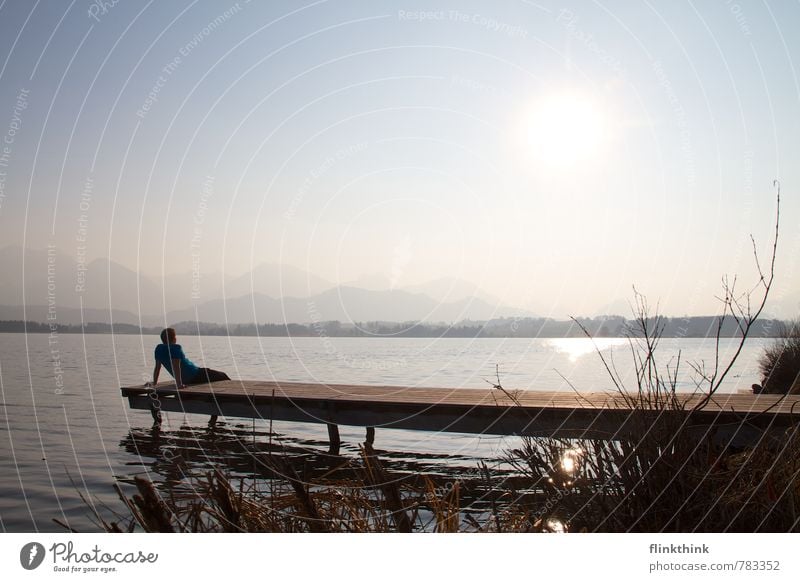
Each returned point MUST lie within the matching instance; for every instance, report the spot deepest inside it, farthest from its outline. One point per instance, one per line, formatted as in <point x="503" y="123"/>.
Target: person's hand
<point x="148" y="384"/>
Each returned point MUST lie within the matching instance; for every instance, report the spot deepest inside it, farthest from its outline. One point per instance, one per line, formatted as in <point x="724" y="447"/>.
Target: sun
<point x="564" y="129"/>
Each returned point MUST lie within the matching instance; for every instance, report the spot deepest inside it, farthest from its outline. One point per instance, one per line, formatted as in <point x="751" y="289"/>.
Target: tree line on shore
<point x="529" y="327"/>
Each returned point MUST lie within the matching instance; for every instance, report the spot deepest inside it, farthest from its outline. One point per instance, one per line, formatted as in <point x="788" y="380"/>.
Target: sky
<point x="554" y="153"/>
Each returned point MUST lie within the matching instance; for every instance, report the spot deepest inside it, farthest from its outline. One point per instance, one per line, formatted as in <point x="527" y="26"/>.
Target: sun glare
<point x="577" y="347"/>
<point x="564" y="129"/>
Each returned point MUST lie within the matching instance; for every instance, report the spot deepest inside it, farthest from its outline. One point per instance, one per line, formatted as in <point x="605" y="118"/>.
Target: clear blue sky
<point x="555" y="153"/>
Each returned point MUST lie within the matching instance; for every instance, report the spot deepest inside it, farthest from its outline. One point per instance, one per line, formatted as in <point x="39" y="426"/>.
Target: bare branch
<point x="745" y="319"/>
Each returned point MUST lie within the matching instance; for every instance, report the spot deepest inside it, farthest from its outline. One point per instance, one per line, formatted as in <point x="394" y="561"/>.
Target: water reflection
<point x="575" y="348"/>
<point x="570" y="461"/>
<point x="172" y="455"/>
<point x="177" y="456"/>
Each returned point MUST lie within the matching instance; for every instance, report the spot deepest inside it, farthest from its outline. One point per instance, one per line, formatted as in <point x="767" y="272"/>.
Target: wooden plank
<point x="464" y="410"/>
<point x="257" y="391"/>
<point x="489" y="420"/>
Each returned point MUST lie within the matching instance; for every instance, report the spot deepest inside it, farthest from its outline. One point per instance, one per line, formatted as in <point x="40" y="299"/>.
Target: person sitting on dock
<point x="170" y="355"/>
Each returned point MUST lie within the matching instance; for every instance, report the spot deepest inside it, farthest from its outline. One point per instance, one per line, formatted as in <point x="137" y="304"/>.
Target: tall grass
<point x="372" y="500"/>
<point x="660" y="472"/>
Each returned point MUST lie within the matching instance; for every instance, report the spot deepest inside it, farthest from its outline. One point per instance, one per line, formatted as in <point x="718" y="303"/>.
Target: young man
<point x="170" y="355"/>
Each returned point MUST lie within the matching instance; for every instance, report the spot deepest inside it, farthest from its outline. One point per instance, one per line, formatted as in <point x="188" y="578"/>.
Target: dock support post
<point x="155" y="407"/>
<point x="370" y="435"/>
<point x="334" y="439"/>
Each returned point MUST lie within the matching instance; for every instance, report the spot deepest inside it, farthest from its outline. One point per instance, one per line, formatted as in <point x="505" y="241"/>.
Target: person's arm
<point x="156" y="372"/>
<point x="176" y="372"/>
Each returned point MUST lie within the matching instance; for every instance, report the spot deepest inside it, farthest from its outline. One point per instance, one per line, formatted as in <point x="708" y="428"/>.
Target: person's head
<point x="168" y="336"/>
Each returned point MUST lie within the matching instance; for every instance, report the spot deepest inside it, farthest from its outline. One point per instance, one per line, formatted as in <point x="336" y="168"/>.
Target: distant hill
<point x="274" y="280"/>
<point x="269" y="292"/>
<point x="72" y="315"/>
<point x="345" y="304"/>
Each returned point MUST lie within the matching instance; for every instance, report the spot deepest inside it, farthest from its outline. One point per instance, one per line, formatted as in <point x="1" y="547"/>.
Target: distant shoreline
<point x="599" y="327"/>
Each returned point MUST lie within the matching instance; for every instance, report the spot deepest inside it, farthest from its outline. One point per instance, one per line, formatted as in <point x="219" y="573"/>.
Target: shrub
<point x="780" y="363"/>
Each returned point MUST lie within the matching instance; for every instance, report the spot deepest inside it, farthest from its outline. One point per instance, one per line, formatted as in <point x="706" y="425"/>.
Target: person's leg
<point x="216" y="375"/>
<point x="198" y="378"/>
<point x="207" y="375"/>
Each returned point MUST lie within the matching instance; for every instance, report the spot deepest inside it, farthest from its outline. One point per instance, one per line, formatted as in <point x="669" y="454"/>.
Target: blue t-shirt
<point x="165" y="353"/>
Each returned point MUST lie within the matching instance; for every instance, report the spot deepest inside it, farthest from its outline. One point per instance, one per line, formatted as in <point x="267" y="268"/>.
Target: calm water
<point x="67" y="433"/>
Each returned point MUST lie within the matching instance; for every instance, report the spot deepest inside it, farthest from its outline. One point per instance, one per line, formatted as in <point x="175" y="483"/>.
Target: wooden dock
<point x="490" y="411"/>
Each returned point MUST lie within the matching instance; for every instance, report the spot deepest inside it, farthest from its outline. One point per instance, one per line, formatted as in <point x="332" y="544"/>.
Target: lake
<point x="67" y="433"/>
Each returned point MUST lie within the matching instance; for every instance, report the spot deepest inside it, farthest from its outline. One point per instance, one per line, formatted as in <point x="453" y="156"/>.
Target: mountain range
<point x="49" y="282"/>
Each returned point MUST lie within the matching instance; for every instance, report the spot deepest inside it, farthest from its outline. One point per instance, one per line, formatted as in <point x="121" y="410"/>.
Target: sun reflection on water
<point x="556" y="525"/>
<point x="581" y="346"/>
<point x="570" y="460"/>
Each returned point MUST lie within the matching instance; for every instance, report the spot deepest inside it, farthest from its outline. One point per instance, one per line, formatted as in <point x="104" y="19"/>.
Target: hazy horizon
<point x="270" y="293"/>
<point x="552" y="155"/>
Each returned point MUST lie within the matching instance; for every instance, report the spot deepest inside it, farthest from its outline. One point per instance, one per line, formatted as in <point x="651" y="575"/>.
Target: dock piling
<point x="333" y="439"/>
